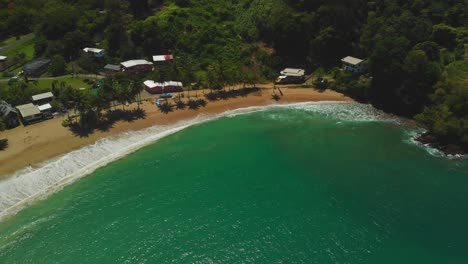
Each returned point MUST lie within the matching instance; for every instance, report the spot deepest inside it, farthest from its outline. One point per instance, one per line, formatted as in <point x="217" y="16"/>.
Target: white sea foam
<point x="413" y="134"/>
<point x="32" y="184"/>
<point x="341" y="111"/>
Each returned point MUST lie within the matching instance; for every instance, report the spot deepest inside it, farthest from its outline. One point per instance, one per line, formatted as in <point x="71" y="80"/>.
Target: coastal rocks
<point x="430" y="140"/>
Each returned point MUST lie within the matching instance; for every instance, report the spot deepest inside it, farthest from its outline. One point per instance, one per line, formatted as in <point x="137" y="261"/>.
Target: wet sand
<point x="37" y="143"/>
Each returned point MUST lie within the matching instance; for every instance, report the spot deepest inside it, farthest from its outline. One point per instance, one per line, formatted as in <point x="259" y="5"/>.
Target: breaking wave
<point x="32" y="184"/>
<point x="412" y="136"/>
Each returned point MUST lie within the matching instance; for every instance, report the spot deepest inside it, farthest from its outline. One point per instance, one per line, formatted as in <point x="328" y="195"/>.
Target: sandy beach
<point x="37" y="143"/>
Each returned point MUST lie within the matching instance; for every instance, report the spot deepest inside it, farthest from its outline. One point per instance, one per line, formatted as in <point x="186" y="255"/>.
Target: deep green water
<point x="279" y="186"/>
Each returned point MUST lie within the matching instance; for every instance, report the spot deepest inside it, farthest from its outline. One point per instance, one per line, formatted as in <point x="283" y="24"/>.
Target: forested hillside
<point x="414" y="49"/>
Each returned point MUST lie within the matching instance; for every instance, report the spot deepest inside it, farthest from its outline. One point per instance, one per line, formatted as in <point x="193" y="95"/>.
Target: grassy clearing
<point x="11" y="40"/>
<point x="8" y="41"/>
<point x="26" y="47"/>
<point x="77" y="82"/>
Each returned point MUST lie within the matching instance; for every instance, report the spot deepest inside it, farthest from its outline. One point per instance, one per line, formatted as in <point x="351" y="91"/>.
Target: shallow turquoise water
<point x="277" y="186"/>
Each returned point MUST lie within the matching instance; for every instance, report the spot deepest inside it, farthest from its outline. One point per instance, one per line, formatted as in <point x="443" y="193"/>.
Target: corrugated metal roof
<point x="293" y="72"/>
<point x="42" y="96"/>
<point x="152" y="84"/>
<point x="159" y="58"/>
<point x="351" y="60"/>
<point x="44" y="107"/>
<point x="6" y="108"/>
<point x="112" y="67"/>
<point x="131" y="63"/>
<point x="94" y="50"/>
<point x="28" y="110"/>
<point x="35" y="64"/>
<point x="172" y="83"/>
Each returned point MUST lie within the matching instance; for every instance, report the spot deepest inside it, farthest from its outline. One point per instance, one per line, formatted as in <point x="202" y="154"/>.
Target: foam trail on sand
<point x="32" y="184"/>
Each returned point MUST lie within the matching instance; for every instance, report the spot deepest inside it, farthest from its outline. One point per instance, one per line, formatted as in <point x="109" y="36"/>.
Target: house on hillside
<point x="111" y="69"/>
<point x="159" y="59"/>
<point x="29" y="113"/>
<point x="97" y="53"/>
<point x="153" y="87"/>
<point x="291" y="76"/>
<point x="36" y="67"/>
<point x="43" y="98"/>
<point x="137" y="66"/>
<point x="9" y="114"/>
<point x="3" y="58"/>
<point x="353" y="65"/>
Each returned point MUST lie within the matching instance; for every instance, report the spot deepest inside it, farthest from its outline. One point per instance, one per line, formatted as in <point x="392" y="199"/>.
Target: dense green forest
<point x="414" y="49"/>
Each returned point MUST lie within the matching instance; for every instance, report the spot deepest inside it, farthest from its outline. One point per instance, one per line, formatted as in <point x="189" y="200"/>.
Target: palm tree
<point x="135" y="92"/>
<point x="123" y="93"/>
<point x="82" y="104"/>
<point x="101" y="102"/>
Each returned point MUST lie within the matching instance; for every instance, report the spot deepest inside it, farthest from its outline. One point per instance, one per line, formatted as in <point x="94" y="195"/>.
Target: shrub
<point x="275" y="97"/>
<point x="3" y="144"/>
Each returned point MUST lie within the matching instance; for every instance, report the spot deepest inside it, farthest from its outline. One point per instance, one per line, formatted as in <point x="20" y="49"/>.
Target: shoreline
<point x="34" y="145"/>
<point x="430" y="140"/>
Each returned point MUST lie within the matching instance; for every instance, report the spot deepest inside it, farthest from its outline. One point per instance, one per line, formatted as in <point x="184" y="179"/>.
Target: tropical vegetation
<point x="414" y="49"/>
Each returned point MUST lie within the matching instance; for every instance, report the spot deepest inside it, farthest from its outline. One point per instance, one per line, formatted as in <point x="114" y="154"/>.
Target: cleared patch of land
<point x="27" y="48"/>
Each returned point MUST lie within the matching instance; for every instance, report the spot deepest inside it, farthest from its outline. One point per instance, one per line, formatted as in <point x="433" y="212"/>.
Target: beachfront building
<point x="137" y="66"/>
<point x="29" y="113"/>
<point x="153" y="87"/>
<point x="353" y="65"/>
<point x="97" y="53"/>
<point x="165" y="87"/>
<point x="291" y="75"/>
<point x="172" y="87"/>
<point x="43" y="98"/>
<point x="111" y="69"/>
<point x="160" y="59"/>
<point x="9" y="115"/>
<point x="46" y="110"/>
<point x="36" y="67"/>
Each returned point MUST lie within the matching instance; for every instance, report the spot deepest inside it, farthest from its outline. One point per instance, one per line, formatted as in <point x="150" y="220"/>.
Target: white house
<point x="353" y="65"/>
<point x="98" y="53"/>
<point x="291" y="75"/>
<point x="293" y="72"/>
<point x="3" y="58"/>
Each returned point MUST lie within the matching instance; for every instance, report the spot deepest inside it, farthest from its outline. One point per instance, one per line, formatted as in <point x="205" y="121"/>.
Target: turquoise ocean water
<point x="310" y="183"/>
